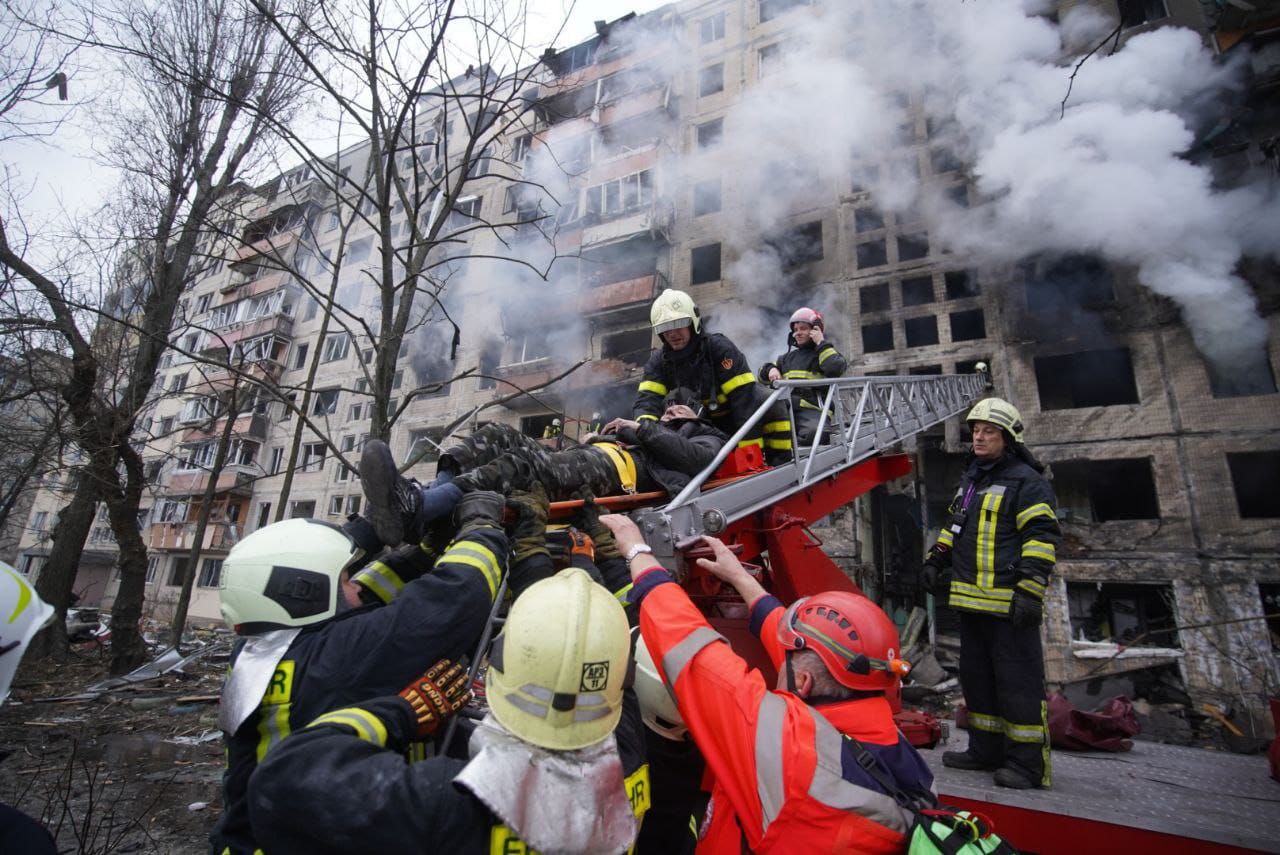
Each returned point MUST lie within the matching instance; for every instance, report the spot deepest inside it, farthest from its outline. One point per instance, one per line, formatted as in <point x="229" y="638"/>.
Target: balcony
<point x="248" y="425"/>
<point x="620" y="295"/>
<point x="234" y="480"/>
<point x="312" y="190"/>
<point x="215" y="381"/>
<point x="272" y="246"/>
<point x="277" y="323"/>
<point x="655" y="218"/>
<point x="181" y="536"/>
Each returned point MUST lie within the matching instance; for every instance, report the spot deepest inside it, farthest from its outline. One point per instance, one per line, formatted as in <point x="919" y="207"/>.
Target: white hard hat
<point x="673" y="309"/>
<point x="22" y="615"/>
<point x="658" y="708"/>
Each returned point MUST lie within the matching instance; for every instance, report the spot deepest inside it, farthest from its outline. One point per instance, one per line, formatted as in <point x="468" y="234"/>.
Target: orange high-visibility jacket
<point x="782" y="780"/>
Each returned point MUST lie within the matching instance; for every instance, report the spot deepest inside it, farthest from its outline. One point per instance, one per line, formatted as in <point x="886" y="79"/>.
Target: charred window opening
<point x="706" y="197"/>
<point x="872" y="253"/>
<point x="711" y="80"/>
<point x="944" y="159"/>
<point x="770" y="9"/>
<point x="534" y="426"/>
<point x="1269" y="593"/>
<point x="922" y="331"/>
<point x="912" y="247"/>
<point x="1135" y="13"/>
<point x="925" y="370"/>
<point x="877" y="337"/>
<point x="968" y="325"/>
<point x="970" y="366"/>
<point x="1105" y="490"/>
<point x="1254" y="475"/>
<point x="959" y="194"/>
<point x="961" y="284"/>
<point x="630" y="346"/>
<point x="867" y="220"/>
<point x="1140" y="615"/>
<point x="1246" y="375"/>
<point x="800" y="245"/>
<point x="1082" y="281"/>
<point x="705" y="263"/>
<point x="1090" y="378"/>
<point x="710" y="133"/>
<point x="490" y="358"/>
<point x="917" y="291"/>
<point x="874" y="298"/>
<point x="619" y="262"/>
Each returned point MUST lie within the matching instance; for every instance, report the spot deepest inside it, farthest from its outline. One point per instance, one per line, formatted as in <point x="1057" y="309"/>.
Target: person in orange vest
<point x="784" y="760"/>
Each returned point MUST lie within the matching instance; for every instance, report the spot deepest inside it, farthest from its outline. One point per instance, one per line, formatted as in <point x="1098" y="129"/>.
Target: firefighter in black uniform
<point x="306" y="644"/>
<point x="557" y="764"/>
<point x="714" y="368"/>
<point x="992" y="561"/>
<point x="810" y="356"/>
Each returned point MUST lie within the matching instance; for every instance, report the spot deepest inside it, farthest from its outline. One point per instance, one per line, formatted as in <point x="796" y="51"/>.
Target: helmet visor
<point x="667" y="326"/>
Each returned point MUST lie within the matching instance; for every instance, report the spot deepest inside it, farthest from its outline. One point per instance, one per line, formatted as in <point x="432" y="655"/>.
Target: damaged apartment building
<point x="1165" y="466"/>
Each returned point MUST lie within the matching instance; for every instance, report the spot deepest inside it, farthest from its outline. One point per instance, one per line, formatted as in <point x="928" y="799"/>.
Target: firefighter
<point x="785" y="776"/>
<point x="306" y="644"/>
<point x="641" y="456"/>
<point x="552" y="430"/>
<point x="596" y="424"/>
<point x="557" y="765"/>
<point x="810" y="356"/>
<point x="992" y="561"/>
<point x="714" y="368"/>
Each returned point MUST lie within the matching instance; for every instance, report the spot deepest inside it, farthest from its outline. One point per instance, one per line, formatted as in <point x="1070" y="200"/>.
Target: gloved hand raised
<point x="479" y="508"/>
<point x="436" y="695"/>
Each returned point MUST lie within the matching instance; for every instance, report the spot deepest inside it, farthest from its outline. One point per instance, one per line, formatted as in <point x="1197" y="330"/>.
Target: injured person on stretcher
<point x="627" y="457"/>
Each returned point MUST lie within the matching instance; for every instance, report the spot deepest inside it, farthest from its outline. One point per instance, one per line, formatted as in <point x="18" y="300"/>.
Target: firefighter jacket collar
<point x="591" y="811"/>
<point x="251" y="675"/>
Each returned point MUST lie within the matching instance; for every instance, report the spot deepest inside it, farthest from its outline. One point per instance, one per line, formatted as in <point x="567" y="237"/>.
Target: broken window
<point x="711" y="29"/>
<point x="922" y="331"/>
<point x="961" y="284"/>
<point x="1069" y="281"/>
<point x="210" y="573"/>
<point x="800" y="245"/>
<point x="1091" y="378"/>
<point x="770" y="9"/>
<point x="871" y="253"/>
<point x="1139" y="615"/>
<point x="425" y="442"/>
<point x="867" y="220"/>
<point x="705" y="263"/>
<point x="1269" y="592"/>
<point x="710" y="133"/>
<point x="706" y="197"/>
<point x="325" y="403"/>
<point x="534" y="426"/>
<point x="1135" y="13"/>
<point x="970" y="366"/>
<point x="1254" y="475"/>
<point x="630" y="346"/>
<point x="877" y="337"/>
<point x="711" y="80"/>
<point x="968" y="325"/>
<point x="874" y="298"/>
<point x="301" y="509"/>
<point x="925" y="371"/>
<point x="912" y="247"/>
<point x="1246" y="375"/>
<point x="917" y="291"/>
<point x="1106" y="490"/>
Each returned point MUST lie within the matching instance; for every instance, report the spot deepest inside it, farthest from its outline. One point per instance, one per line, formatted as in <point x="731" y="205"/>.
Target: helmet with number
<point x="1000" y="413"/>
<point x="674" y="309"/>
<point x="556" y="672"/>
<point x="805" y="315"/>
<point x="286" y="574"/>
<point x="853" y="636"/>
<point x="22" y="615"/>
<point x="657" y="708"/>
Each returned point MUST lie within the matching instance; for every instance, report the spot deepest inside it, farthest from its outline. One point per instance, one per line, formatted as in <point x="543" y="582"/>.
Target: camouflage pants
<point x="499" y="457"/>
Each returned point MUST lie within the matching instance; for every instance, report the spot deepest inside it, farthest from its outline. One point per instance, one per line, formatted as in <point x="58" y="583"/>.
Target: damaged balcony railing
<point x="861" y="416"/>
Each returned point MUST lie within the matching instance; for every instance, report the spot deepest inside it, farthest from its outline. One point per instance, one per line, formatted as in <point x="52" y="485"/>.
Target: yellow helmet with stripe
<point x="1000" y="413"/>
<point x="22" y="615"/>
<point x="674" y="309"/>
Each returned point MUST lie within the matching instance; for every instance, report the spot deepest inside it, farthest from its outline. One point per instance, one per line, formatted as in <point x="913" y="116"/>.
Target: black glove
<point x="479" y="508"/>
<point x="589" y="519"/>
<point x="529" y="534"/>
<point x="934" y="575"/>
<point x="1027" y="608"/>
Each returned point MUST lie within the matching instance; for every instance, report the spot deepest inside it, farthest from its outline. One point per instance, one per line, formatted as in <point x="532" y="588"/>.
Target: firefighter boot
<point x="1007" y="776"/>
<point x="393" y="502"/>
<point x="966" y="760"/>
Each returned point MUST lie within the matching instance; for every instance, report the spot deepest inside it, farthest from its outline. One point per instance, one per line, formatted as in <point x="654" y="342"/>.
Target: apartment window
<point x="711" y="29"/>
<point x="166" y="426"/>
<point x="356" y="412"/>
<point x="925" y="371"/>
<point x="943" y="159"/>
<point x="770" y="59"/>
<point x="425" y="442"/>
<point x="770" y="9"/>
<point x="627" y="193"/>
<point x="336" y="347"/>
<point x="1254" y="475"/>
<point x="397" y="380"/>
<point x="202" y="303"/>
<point x="706" y="197"/>
<point x="335" y="505"/>
<point x="1106" y="490"/>
<point x="287" y="405"/>
<point x="705" y="263"/>
<point x="1067" y="282"/>
<point x="1246" y="375"/>
<point x="527" y="348"/>
<point x="874" y="298"/>
<point x="210" y="573"/>
<point x="353" y="505"/>
<point x="177" y="572"/>
<point x="40" y="520"/>
<point x="912" y="247"/>
<point x="959" y="195"/>
<point x="709" y="134"/>
<point x="576" y="57"/>
<point x="877" y="337"/>
<point x="867" y="220"/>
<point x="300" y="356"/>
<point x="302" y="510"/>
<point x="801" y="244"/>
<point x="264" y="514"/>
<point x="358" y="250"/>
<point x="960" y="284"/>
<point x="311" y="310"/>
<point x="922" y="331"/>
<point x="325" y="403"/>
<point x="153" y="567"/>
<point x="711" y="80"/>
<point x="630" y="346"/>
<point x="1135" y="13"/>
<point x="178" y="382"/>
<point x="313" y="454"/>
<point x="968" y="325"/>
<point x="520" y="148"/>
<point x="1091" y="378"/>
<point x="465" y="212"/>
<point x="917" y="291"/>
<point x="871" y="253"/>
<point x="1125" y="614"/>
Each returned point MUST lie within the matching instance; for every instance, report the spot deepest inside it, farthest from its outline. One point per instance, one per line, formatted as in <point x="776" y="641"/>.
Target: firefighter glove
<point x="436" y="695"/>
<point x="1027" y="607"/>
<point x="529" y="534"/>
<point x="479" y="508"/>
<point x="589" y="518"/>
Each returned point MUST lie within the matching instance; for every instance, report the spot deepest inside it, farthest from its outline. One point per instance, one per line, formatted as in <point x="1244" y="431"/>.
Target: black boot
<point x="1007" y="776"/>
<point x="393" y="502"/>
<point x="966" y="760"/>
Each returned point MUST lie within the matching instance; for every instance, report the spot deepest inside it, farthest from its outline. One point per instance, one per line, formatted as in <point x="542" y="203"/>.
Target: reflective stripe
<point x="1031" y="586"/>
<point x="747" y="443"/>
<point x="641" y="418"/>
<point x="1031" y="733"/>
<point x="1040" y="509"/>
<point x="384" y="582"/>
<point x="822" y="357"/>
<point x="780" y="444"/>
<point x="366" y="725"/>
<point x="831" y="789"/>
<point x="651" y="386"/>
<point x="987" y="522"/>
<point x="803" y="375"/>
<point x="783" y="426"/>
<point x="975" y="605"/>
<point x="621" y="594"/>
<point x="737" y="382"/>
<point x="1039" y="549"/>
<point x="1047" y="779"/>
<point x="989" y="723"/>
<point x="1002" y="594"/>
<point x="770" y="787"/>
<point x="678" y="656"/>
<point x="946" y="538"/>
<point x="623" y="462"/>
<point x="478" y="556"/>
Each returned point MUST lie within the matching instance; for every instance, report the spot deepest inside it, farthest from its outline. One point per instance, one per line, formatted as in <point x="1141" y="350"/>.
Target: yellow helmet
<point x="25" y="614"/>
<point x="556" y="672"/>
<point x="673" y="309"/>
<point x="1000" y="413"/>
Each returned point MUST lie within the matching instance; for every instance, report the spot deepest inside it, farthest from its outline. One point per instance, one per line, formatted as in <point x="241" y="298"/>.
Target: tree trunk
<point x="58" y="575"/>
<point x="128" y="650"/>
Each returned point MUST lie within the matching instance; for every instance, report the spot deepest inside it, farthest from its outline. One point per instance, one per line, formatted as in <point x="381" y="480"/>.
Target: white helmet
<point x="657" y="706"/>
<point x="22" y="615"/>
<point x="556" y="672"/>
<point x="673" y="309"/>
<point x="284" y="575"/>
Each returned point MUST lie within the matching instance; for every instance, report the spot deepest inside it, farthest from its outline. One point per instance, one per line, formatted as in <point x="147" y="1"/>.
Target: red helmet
<point x="805" y="315"/>
<point x="856" y="640"/>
